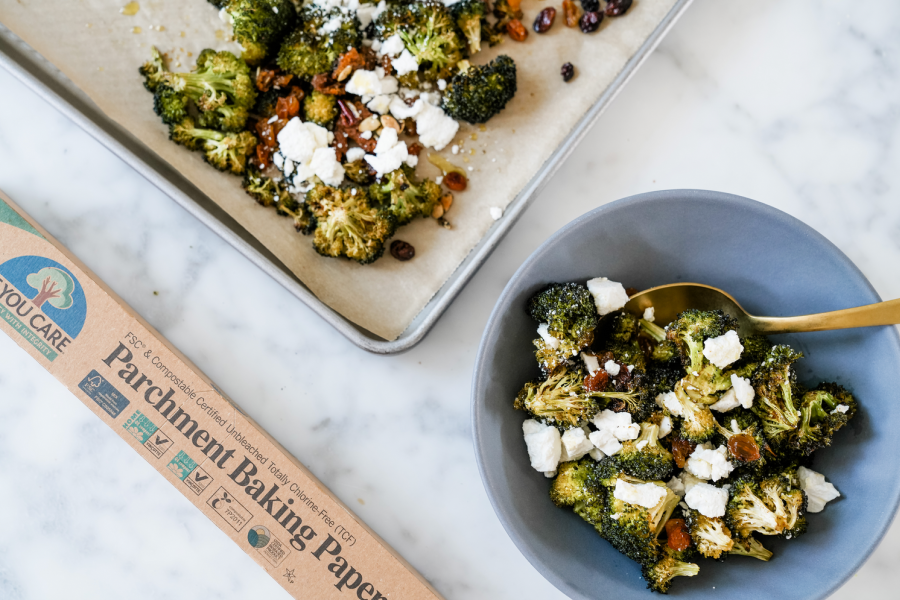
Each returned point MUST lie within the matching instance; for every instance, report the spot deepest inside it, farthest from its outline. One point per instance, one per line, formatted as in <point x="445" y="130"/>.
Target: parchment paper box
<point x="177" y="420"/>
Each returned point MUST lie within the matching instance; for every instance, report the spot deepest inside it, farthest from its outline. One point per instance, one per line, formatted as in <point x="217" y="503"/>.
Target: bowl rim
<point x="480" y="367"/>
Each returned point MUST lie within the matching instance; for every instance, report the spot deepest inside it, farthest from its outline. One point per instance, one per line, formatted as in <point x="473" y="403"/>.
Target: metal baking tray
<point x="48" y="82"/>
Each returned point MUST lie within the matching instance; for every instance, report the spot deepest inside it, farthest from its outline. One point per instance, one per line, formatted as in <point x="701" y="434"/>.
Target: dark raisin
<point x="456" y="181"/>
<point x="402" y="251"/>
<point x="590" y="5"/>
<point x="590" y="21"/>
<point x="567" y="71"/>
<point x="544" y="21"/>
<point x="614" y="8"/>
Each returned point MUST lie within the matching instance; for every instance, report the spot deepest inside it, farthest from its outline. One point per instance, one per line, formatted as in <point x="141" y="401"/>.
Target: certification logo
<point x="43" y="301"/>
<point x="272" y="549"/>
<point x="258" y="536"/>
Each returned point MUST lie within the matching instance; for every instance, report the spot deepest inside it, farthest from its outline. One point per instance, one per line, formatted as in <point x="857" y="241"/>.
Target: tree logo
<point x="56" y="286"/>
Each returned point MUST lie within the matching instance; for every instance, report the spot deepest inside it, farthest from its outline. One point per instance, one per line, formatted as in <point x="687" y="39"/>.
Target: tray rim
<point x="44" y="79"/>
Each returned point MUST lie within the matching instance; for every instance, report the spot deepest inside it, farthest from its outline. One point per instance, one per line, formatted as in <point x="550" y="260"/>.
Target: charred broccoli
<point x="429" y="32"/>
<point x="269" y="192"/>
<point x="823" y="411"/>
<point x="224" y="151"/>
<point x="258" y="25"/>
<point x="576" y="485"/>
<point x="320" y="38"/>
<point x="777" y="397"/>
<point x="571" y="317"/>
<point x="744" y="438"/>
<point x="347" y="225"/>
<point x="220" y="87"/>
<point x="480" y="92"/>
<point x="751" y="547"/>
<point x="671" y="564"/>
<point x="406" y="197"/>
<point x="782" y="494"/>
<point x="320" y="108"/>
<point x="153" y="71"/>
<point x="644" y="457"/>
<point x="747" y="511"/>
<point x="710" y="534"/>
<point x="359" y="171"/>
<point x="618" y="334"/>
<point x="560" y="399"/>
<point x="171" y="106"/>
<point x="468" y="15"/>
<point x="632" y="529"/>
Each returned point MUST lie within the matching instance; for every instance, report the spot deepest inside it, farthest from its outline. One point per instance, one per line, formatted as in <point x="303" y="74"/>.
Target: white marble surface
<point x="794" y="103"/>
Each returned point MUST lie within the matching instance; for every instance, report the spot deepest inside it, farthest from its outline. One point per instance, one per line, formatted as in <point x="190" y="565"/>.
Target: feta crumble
<point x="723" y="350"/>
<point x="575" y="444"/>
<point x="590" y="363"/>
<point x="627" y="432"/>
<point x="354" y="154"/>
<point x="605" y="441"/>
<point x="434" y="127"/>
<point x="707" y="499"/>
<point x="544" y="331"/>
<point x="608" y="295"/>
<point x="665" y="427"/>
<point x="706" y="463"/>
<point x="677" y="487"/>
<point x="670" y="402"/>
<point x="496" y="213"/>
<point x="818" y="491"/>
<point x="647" y="495"/>
<point x="840" y="408"/>
<point x="392" y="46"/>
<point x="390" y="153"/>
<point x="650" y="314"/>
<point x="405" y="63"/>
<point x="597" y="454"/>
<point x="611" y="367"/>
<point x="544" y="445"/>
<point x="607" y="419"/>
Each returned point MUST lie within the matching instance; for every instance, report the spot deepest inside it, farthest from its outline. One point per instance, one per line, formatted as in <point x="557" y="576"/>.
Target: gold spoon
<point x="670" y="300"/>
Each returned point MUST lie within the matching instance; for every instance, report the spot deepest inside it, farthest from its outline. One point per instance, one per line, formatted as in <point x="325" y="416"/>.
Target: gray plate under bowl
<point x="774" y="265"/>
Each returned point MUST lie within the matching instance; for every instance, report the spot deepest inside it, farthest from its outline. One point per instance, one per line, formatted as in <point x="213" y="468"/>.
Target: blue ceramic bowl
<point x="774" y="265"/>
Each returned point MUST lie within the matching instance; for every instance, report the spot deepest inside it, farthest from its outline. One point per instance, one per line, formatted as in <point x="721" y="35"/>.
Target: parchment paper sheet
<point x="100" y="50"/>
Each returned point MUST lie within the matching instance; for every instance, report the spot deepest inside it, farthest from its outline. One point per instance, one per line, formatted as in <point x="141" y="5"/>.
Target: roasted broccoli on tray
<point x="678" y="441"/>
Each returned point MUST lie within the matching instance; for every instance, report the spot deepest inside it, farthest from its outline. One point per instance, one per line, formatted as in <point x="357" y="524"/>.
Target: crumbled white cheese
<point x="611" y="367"/>
<point x="390" y="152"/>
<point x="723" y="350"/>
<point x="665" y="427"/>
<point x="380" y="104"/>
<point x="840" y="408"/>
<point x="689" y="480"/>
<point x="650" y="314"/>
<point x="330" y="26"/>
<point x="590" y="363"/>
<point x="496" y="213"/>
<point x="671" y="402"/>
<point x="597" y="454"/>
<point x="326" y="166"/>
<point x="630" y="368"/>
<point x="707" y="499"/>
<point x="405" y="63"/>
<point x="608" y="295"/>
<point x="442" y="84"/>
<point x="544" y="331"/>
<point x="434" y="127"/>
<point x="647" y="495"/>
<point x="366" y="135"/>
<point x="727" y="402"/>
<point x="607" y="419"/>
<point x="550" y="474"/>
<point x="706" y="463"/>
<point x="544" y="445"/>
<point x="575" y="444"/>
<point x="641" y="444"/>
<point x="677" y="487"/>
<point x="298" y="141"/>
<point x="392" y="46"/>
<point x="605" y="441"/>
<point x="627" y="432"/>
<point x="401" y="110"/>
<point x="225" y="16"/>
<point x="454" y="149"/>
<point x="368" y="83"/>
<point x="354" y="154"/>
<point x="734" y="426"/>
<point x="818" y="491"/>
<point x="743" y="389"/>
<point x="365" y="14"/>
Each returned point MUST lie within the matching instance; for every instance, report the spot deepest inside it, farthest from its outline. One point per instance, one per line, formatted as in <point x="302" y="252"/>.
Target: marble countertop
<point x="792" y="103"/>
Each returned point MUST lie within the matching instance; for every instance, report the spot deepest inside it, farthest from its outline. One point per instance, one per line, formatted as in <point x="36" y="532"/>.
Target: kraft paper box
<point x="177" y="420"/>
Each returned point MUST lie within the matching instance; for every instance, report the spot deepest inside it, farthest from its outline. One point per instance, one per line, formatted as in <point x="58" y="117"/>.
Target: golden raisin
<point x="516" y="30"/>
<point x="678" y="536"/>
<point x="681" y="449"/>
<point x="743" y="447"/>
<point x="571" y="12"/>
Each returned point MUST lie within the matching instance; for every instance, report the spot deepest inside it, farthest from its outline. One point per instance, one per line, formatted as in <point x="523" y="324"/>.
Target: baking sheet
<point x="99" y="49"/>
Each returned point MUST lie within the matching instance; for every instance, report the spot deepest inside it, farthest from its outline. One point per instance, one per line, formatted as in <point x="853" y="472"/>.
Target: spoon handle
<point x="880" y="313"/>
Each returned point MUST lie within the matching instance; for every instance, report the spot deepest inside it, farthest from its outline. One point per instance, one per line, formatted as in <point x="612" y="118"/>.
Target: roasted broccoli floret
<point x="659" y="575"/>
<point x="618" y="334"/>
<point x="258" y="25"/>
<point x="347" y="225"/>
<point x="751" y="547"/>
<point x="224" y="151"/>
<point x="220" y="87"/>
<point x="689" y="331"/>
<point x="644" y="458"/>
<point x="576" y="485"/>
<point x="560" y="399"/>
<point x="634" y="530"/>
<point x="315" y="44"/>
<point x="359" y="171"/>
<point x="171" y="106"/>
<point x="468" y="15"/>
<point x="429" y="32"/>
<point x="782" y="494"/>
<point x="406" y="197"/>
<point x="747" y="512"/>
<point x="266" y="103"/>
<point x="480" y="92"/>
<point x="320" y="108"/>
<point x="504" y="13"/>
<point x="823" y="411"/>
<point x="269" y="192"/>
<point x="154" y="70"/>
<point x="664" y="349"/>
<point x="710" y="534"/>
<point x="697" y="422"/>
<point x="571" y="317"/>
<point x="777" y="399"/>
